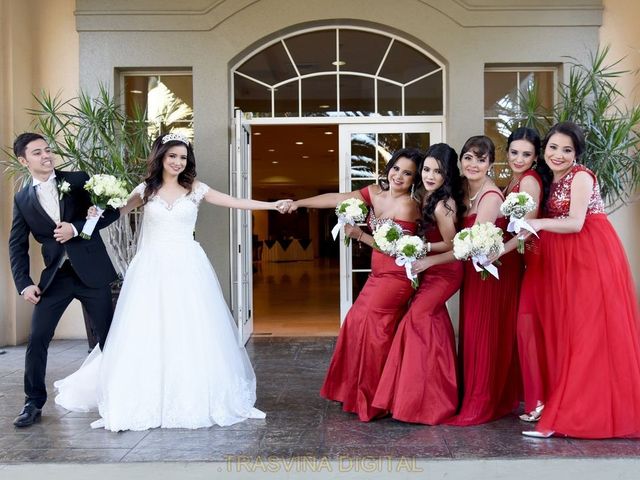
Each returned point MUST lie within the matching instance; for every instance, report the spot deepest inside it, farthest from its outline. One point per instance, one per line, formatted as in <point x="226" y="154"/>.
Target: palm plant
<point x="93" y="134"/>
<point x="590" y="98"/>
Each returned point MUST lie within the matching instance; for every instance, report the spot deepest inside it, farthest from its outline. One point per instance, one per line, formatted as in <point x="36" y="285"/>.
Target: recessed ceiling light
<point x="331" y="150"/>
<point x="324" y="106"/>
<point x="135" y="91"/>
<point x="299" y="143"/>
<point x="305" y="156"/>
<point x="272" y="149"/>
<point x="339" y="63"/>
<point x="328" y="133"/>
<point x="275" y="161"/>
<point x="257" y="133"/>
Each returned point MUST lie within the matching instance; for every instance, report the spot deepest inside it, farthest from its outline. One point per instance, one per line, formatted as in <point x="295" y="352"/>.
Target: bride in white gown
<point x="172" y="358"/>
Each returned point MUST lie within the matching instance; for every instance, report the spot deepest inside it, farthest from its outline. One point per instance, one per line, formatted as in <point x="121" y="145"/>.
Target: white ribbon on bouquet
<point x="479" y="261"/>
<point x="342" y="221"/>
<point x="90" y="223"/>
<point x="518" y="224"/>
<point x="407" y="263"/>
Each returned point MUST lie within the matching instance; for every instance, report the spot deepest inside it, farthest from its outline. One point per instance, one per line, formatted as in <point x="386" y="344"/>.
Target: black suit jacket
<point x="88" y="258"/>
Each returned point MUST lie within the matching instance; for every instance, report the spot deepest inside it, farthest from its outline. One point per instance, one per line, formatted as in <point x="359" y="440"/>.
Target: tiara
<point x="175" y="137"/>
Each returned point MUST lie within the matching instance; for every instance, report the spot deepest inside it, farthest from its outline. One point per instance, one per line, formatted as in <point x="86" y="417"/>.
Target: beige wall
<point x="39" y="47"/>
<point x="620" y="31"/>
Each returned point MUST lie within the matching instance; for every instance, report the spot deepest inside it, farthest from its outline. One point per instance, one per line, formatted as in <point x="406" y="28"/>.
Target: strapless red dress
<point x="367" y="332"/>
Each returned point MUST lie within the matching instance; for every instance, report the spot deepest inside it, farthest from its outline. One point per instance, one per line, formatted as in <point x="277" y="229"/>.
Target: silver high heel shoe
<point x="537" y="434"/>
<point x="534" y="415"/>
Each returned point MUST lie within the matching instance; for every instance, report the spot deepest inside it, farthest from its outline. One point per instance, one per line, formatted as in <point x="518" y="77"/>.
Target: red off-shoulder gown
<point x="591" y="325"/>
<point x="419" y="381"/>
<point x="367" y="332"/>
<point x="487" y="351"/>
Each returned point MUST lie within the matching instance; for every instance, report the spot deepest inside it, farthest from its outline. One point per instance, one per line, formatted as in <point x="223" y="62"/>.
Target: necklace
<point x="512" y="184"/>
<point x="473" y="199"/>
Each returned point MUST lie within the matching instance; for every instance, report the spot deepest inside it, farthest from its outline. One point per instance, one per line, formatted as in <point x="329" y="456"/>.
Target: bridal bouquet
<point x="478" y="243"/>
<point x="516" y="206"/>
<point x="386" y="235"/>
<point x="105" y="191"/>
<point x="349" y="211"/>
<point x="409" y="248"/>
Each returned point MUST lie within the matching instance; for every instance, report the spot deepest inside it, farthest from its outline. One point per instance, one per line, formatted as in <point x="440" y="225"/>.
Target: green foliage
<point x="590" y="99"/>
<point x="91" y="134"/>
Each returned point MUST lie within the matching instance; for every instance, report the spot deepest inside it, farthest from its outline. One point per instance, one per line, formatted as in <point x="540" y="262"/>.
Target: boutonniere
<point x="63" y="189"/>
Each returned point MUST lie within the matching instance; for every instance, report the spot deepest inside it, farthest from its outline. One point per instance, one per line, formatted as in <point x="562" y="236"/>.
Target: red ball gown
<point x="367" y="332"/>
<point x="487" y="351"/>
<point x="531" y="350"/>
<point x="419" y="381"/>
<point x="591" y="324"/>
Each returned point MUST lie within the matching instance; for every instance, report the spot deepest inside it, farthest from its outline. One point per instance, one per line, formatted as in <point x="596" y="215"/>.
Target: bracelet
<point x="428" y="247"/>
<point x="360" y="236"/>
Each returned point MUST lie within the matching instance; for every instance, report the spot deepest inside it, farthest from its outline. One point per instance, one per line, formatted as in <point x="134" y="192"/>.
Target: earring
<point x="534" y="165"/>
<point x="413" y="189"/>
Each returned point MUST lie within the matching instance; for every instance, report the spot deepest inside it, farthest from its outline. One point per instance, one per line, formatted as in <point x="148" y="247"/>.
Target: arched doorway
<point x="324" y="109"/>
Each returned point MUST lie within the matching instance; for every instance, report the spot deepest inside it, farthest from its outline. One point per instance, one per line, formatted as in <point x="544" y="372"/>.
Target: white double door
<point x="364" y="149"/>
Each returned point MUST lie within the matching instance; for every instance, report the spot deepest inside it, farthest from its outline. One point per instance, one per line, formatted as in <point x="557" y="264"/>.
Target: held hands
<point x="63" y="232"/>
<point x="286" y="206"/>
<point x="32" y="294"/>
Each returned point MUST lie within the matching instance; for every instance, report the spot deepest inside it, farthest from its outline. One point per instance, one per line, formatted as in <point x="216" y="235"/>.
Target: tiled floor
<point x="299" y="422"/>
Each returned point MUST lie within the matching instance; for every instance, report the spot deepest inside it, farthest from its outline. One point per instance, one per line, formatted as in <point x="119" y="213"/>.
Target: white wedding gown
<point x="172" y="358"/>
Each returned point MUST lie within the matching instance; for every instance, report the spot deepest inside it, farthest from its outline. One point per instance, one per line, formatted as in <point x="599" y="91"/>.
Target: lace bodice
<point x="163" y="222"/>
<point x="559" y="201"/>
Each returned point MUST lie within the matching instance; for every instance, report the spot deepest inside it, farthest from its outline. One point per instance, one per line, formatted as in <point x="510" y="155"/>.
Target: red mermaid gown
<point x="591" y="325"/>
<point x="488" y="358"/>
<point x="367" y="332"/>
<point x="419" y="381"/>
<point x="531" y="350"/>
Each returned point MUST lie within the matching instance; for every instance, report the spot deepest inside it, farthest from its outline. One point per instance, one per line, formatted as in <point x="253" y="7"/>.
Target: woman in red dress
<point x="589" y="310"/>
<point x="487" y="351"/>
<point x="366" y="334"/>
<point x="523" y="147"/>
<point x="419" y="382"/>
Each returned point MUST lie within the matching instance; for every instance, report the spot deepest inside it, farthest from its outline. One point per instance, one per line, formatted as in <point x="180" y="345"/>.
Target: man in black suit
<point x="53" y="208"/>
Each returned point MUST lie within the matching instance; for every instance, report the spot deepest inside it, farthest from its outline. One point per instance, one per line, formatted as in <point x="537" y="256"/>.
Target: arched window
<point x="339" y="72"/>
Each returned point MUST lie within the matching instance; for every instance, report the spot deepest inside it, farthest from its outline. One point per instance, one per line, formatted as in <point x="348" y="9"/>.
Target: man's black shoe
<point x="28" y="416"/>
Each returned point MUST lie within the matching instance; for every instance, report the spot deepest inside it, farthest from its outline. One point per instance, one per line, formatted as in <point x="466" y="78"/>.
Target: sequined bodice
<point x="175" y="222"/>
<point x="374" y="222"/>
<point x="559" y="201"/>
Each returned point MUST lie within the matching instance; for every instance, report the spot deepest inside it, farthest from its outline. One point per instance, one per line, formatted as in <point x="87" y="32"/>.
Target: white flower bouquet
<point x="349" y="211"/>
<point x="516" y="206"/>
<point x="386" y="235"/>
<point x="105" y="191"/>
<point x="478" y="243"/>
<point x="409" y="248"/>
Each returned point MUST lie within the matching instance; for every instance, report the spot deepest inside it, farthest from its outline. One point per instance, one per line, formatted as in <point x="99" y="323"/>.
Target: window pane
<point x="361" y="255"/>
<point x="357" y="58"/>
<point x="359" y="279"/>
<point x="405" y="63"/>
<point x="389" y="99"/>
<point x="499" y="134"/>
<point x="417" y="140"/>
<point x="499" y="92"/>
<point x="544" y="86"/>
<point x="252" y="97"/>
<point x="424" y="97"/>
<point x="356" y="95"/>
<point x="313" y="52"/>
<point x="136" y="89"/>
<point x="318" y="96"/>
<point x="286" y="100"/>
<point x="358" y="184"/>
<point x="270" y="66"/>
<point x="387" y="144"/>
<point x="363" y="154"/>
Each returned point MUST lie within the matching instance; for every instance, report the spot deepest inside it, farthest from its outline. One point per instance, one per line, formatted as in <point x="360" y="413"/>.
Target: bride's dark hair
<point x="447" y="159"/>
<point x="153" y="179"/>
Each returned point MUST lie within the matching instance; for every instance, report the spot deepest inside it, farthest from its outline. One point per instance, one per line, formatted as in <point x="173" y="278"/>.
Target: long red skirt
<point x="591" y="327"/>
<point x="419" y="381"/>
<point x="365" y="338"/>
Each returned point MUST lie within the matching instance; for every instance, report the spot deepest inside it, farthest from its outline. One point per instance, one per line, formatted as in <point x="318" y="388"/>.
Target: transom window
<point x="339" y="72"/>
